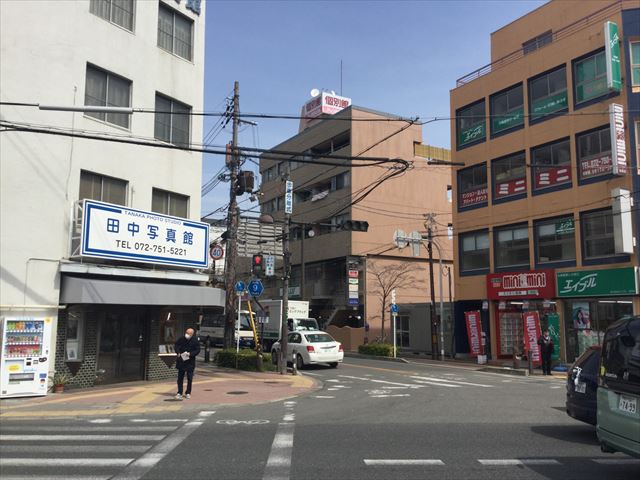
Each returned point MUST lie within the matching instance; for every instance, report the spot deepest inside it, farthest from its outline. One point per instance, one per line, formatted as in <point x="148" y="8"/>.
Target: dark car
<point x="582" y="386"/>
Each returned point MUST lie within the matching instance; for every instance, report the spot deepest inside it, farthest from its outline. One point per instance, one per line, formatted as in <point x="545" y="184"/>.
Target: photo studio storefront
<point x="591" y="301"/>
<point x="516" y="297"/>
<point x="119" y="320"/>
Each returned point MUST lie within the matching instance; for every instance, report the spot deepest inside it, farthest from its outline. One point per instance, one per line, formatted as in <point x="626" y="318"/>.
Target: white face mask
<point x="187" y="336"/>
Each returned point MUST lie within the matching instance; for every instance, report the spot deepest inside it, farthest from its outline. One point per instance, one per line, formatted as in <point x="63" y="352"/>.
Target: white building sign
<point x="116" y="232"/>
<point x="326" y="102"/>
<point x="618" y="146"/>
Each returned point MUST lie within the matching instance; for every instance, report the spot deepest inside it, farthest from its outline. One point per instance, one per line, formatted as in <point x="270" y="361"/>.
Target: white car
<point x="310" y="347"/>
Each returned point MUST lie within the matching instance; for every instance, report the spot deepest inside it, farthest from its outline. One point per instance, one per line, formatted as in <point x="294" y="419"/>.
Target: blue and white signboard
<point x="255" y="288"/>
<point x="288" y="197"/>
<point x="113" y="231"/>
<point x="240" y="286"/>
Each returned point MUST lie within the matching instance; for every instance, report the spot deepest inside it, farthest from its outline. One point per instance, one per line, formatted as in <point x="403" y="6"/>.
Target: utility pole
<point x="302" y="265"/>
<point x="286" y="253"/>
<point x="232" y="228"/>
<point x="432" y="307"/>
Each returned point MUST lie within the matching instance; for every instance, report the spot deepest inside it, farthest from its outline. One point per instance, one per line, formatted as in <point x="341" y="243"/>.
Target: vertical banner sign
<point x="288" y="197"/>
<point x="269" y="265"/>
<point x="612" y="54"/>
<point x="618" y="146"/>
<point x="474" y="332"/>
<point x="553" y="324"/>
<point x="532" y="333"/>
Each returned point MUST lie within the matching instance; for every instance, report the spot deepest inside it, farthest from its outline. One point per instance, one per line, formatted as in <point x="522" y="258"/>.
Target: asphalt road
<point x="370" y="420"/>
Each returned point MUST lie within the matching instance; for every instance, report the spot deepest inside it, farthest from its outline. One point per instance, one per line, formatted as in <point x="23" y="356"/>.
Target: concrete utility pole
<point x="232" y="228"/>
<point x="432" y="308"/>
<point x="284" y="328"/>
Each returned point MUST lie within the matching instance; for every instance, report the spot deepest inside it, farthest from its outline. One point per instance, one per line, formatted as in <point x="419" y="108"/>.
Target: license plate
<point x="627" y="404"/>
<point x="581" y="387"/>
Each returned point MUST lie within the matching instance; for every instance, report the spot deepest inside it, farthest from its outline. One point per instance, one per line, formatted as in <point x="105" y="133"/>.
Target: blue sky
<point x="400" y="57"/>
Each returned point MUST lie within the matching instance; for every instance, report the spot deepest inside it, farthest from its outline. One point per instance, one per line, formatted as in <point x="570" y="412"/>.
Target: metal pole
<point x="393" y="314"/>
<point x="452" y="319"/>
<point x="434" y="338"/>
<point x="284" y="330"/>
<point x="232" y="228"/>
<point x="302" y="265"/>
<point x="238" y="325"/>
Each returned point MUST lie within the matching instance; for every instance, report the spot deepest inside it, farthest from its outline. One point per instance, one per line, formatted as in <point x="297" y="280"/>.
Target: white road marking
<point x="279" y="462"/>
<point x="617" y="461"/>
<point x="323" y="396"/>
<point x="146" y="462"/>
<point x="77" y="448"/>
<point x="65" y="462"/>
<point x="57" y="477"/>
<point x="333" y="380"/>
<point x="438" y="384"/>
<point x="405" y="385"/>
<point x="333" y="389"/>
<point x="553" y="388"/>
<point x="416" y="461"/>
<point x="242" y="422"/>
<point x="395" y="395"/>
<point x="434" y="379"/>
<point x="83" y="438"/>
<point x="101" y="420"/>
<point x="91" y="429"/>
<point x="206" y="413"/>
<point x="516" y="461"/>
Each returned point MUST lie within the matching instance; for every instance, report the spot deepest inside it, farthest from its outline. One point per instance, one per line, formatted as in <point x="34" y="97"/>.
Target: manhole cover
<point x="237" y="392"/>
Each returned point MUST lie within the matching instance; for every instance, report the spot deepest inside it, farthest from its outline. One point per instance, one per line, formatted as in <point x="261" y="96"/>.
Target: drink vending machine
<point x="24" y="365"/>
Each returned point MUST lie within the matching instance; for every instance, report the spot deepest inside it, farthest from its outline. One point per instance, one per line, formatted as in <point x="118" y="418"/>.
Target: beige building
<point x="338" y="261"/>
<point x="543" y="217"/>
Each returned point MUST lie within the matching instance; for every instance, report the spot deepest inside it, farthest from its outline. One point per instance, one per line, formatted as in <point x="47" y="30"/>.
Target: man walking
<point x="187" y="349"/>
<point x="546" y="349"/>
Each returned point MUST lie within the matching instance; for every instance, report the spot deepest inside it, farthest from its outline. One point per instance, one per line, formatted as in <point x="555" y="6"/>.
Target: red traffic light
<point x="257" y="259"/>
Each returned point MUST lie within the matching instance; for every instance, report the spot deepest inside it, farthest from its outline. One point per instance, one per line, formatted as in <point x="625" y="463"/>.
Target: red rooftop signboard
<point x="517" y="285"/>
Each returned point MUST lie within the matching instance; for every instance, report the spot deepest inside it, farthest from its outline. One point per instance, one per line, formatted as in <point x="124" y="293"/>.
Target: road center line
<point x="395" y="462"/>
<point x="516" y="461"/>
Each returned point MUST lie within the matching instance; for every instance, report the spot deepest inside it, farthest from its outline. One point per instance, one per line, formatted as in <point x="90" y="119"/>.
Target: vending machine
<point x="24" y="365"/>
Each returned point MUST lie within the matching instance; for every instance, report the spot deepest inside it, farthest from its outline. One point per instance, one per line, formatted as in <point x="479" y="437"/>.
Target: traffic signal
<point x="246" y="182"/>
<point x="257" y="264"/>
<point x="354" y="225"/>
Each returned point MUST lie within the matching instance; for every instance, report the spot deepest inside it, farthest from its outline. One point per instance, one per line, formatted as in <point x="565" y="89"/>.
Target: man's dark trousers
<point x="181" y="374"/>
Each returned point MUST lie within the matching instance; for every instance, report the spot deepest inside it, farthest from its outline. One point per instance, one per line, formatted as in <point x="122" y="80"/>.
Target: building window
<point x="551" y="165"/>
<point x="449" y="194"/>
<point x="270" y="206"/>
<point x="119" y="12"/>
<point x="537" y="42"/>
<point x="170" y="203"/>
<point x="74" y="339"/>
<point x="470" y="124"/>
<point x="590" y="77"/>
<point x="507" y="110"/>
<point x="509" y="176"/>
<point x="635" y="64"/>
<point x="474" y="252"/>
<point x="102" y="188"/>
<point x="597" y="234"/>
<point x="340" y="181"/>
<point x="472" y="186"/>
<point x="107" y="89"/>
<point x="555" y="240"/>
<point x="172" y="121"/>
<point x="175" y="32"/>
<point x="270" y="173"/>
<point x="547" y="94"/>
<point x="332" y="145"/>
<point x="512" y="246"/>
<point x="594" y="153"/>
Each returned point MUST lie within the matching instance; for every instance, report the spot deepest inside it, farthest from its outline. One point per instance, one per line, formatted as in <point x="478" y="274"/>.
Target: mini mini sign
<point x="116" y="232"/>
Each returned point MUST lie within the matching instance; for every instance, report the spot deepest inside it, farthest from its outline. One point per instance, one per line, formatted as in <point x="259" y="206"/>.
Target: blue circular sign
<point x="255" y="288"/>
<point x="240" y="286"/>
<point x="394" y="308"/>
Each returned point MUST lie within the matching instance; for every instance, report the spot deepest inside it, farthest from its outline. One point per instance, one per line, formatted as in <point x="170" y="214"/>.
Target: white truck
<point x="271" y="312"/>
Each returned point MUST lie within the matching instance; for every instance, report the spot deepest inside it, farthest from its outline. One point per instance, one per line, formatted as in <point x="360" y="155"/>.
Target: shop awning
<point x="76" y="290"/>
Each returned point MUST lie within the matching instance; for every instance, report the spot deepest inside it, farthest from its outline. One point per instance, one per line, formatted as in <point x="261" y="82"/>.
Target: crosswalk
<point x="82" y="450"/>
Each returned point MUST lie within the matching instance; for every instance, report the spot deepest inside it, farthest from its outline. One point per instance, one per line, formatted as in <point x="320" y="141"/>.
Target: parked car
<point x="582" y="386"/>
<point x="310" y="347"/>
<point x="618" y="415"/>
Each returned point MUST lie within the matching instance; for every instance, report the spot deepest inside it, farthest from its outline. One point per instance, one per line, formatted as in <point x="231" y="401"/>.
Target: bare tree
<point x="387" y="278"/>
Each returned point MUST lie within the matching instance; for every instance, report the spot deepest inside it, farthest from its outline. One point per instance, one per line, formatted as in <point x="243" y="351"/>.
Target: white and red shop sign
<point x="553" y="176"/>
<point x="325" y="102"/>
<point x="531" y="323"/>
<point x="474" y="333"/>
<point x="529" y="284"/>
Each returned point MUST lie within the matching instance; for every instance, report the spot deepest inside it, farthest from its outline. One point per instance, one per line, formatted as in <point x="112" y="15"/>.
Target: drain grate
<point x="237" y="392"/>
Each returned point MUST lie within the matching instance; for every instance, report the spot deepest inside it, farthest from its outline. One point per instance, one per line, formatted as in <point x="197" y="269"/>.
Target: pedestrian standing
<point x="187" y="349"/>
<point x="546" y="349"/>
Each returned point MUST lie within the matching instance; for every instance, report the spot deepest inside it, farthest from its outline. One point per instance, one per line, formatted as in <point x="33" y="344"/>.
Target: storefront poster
<point x="474" y="332"/>
<point x="580" y="316"/>
<point x="553" y="176"/>
<point x="532" y="333"/>
<point x="553" y="324"/>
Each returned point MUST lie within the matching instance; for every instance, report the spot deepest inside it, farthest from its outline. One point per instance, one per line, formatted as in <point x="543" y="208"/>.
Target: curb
<point x="375" y="357"/>
<point x="506" y="371"/>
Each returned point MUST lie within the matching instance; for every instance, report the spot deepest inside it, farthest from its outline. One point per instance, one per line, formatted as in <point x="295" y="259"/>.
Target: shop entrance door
<point x="121" y="347"/>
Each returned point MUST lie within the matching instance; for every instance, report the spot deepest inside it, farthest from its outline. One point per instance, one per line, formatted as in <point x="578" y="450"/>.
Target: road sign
<point x="415" y="243"/>
<point x="394" y="308"/>
<point x="255" y="288"/>
<point x="269" y="265"/>
<point x="399" y="239"/>
<point x="239" y="286"/>
<point x="216" y="251"/>
<point x="288" y="197"/>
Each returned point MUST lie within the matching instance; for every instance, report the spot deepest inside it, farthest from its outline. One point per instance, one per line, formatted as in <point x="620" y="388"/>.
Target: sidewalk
<point x="212" y="387"/>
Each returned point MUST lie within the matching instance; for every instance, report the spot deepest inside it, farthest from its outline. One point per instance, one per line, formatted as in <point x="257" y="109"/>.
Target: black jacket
<point x="546" y="346"/>
<point x="193" y="347"/>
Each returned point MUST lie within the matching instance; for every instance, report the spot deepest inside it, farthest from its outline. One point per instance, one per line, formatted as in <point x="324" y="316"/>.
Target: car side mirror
<point x="627" y="340"/>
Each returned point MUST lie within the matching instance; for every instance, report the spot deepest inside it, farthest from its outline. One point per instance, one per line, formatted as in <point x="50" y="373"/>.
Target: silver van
<point x="618" y="413"/>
